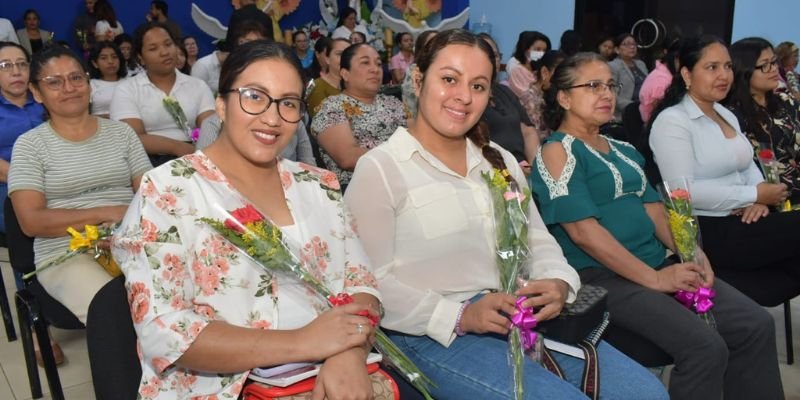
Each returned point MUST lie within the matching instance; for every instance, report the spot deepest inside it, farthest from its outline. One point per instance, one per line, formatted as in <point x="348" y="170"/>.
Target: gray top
<point x="95" y="172"/>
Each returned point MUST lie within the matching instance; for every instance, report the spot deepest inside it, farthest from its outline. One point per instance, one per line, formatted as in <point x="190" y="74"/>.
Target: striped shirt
<point x="95" y="172"/>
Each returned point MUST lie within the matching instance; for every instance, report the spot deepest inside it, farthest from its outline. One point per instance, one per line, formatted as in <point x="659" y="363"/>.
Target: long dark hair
<point x="141" y="31"/>
<point x="691" y="50"/>
<point x="570" y="43"/>
<point x="752" y="116"/>
<point x="131" y="62"/>
<point x="563" y="78"/>
<point x="104" y="12"/>
<point x="346" y="13"/>
<point x="243" y="55"/>
<point x="525" y="41"/>
<point x="94" y="72"/>
<point x="478" y="134"/>
<point x="550" y="60"/>
<point x="422" y="39"/>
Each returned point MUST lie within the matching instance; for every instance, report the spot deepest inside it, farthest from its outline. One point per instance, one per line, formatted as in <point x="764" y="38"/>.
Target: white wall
<point x="510" y="17"/>
<point x="774" y="20"/>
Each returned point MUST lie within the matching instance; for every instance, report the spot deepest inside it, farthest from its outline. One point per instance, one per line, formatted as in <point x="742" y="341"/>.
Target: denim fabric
<point x="476" y="367"/>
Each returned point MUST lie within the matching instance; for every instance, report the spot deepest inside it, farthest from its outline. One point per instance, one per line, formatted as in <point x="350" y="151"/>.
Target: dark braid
<point x="479" y="135"/>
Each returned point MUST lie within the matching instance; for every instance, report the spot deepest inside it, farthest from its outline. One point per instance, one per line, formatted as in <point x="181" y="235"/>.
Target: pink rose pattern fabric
<point x="180" y="275"/>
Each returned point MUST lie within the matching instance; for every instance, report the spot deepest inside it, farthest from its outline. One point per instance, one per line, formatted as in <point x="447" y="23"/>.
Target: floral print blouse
<point x="782" y="132"/>
<point x="181" y="275"/>
<point x="371" y="124"/>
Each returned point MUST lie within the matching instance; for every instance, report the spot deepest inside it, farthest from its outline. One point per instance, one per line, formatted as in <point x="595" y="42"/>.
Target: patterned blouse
<point x="181" y="275"/>
<point x="371" y="124"/>
<point x="782" y="132"/>
<point x="533" y="102"/>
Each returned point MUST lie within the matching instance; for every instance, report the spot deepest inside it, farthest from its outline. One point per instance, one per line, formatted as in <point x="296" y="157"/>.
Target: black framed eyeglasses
<point x="256" y="101"/>
<point x="768" y="66"/>
<point x="597" y="87"/>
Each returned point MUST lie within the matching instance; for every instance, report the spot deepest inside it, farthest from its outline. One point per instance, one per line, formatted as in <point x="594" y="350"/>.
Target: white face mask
<point x="535" y="55"/>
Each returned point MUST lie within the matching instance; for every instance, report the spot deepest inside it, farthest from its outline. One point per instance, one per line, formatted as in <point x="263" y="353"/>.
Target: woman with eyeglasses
<point x="19" y="112"/>
<point x="770" y="119"/>
<point x="613" y="229"/>
<point x="139" y="101"/>
<point x="349" y="124"/>
<point x="204" y="314"/>
<point x="71" y="171"/>
<point x="628" y="72"/>
<point x="693" y="136"/>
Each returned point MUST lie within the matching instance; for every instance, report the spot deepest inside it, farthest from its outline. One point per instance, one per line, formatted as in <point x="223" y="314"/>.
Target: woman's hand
<point x="548" y="295"/>
<point x="335" y="331"/>
<point x="754" y="212"/>
<point x="771" y="193"/>
<point x="344" y="376"/>
<point x="707" y="276"/>
<point x="484" y="315"/>
<point x="686" y="276"/>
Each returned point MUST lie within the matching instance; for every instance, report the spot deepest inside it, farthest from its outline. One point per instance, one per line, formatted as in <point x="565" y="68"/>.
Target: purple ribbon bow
<point x="700" y="300"/>
<point x="525" y="321"/>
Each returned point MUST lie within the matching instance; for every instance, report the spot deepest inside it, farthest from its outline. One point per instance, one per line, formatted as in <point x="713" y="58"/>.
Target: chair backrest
<point x="20" y="246"/>
<point x="632" y="121"/>
<point x="111" y="341"/>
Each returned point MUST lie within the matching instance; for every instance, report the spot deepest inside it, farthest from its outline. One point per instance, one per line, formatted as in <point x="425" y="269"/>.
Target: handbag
<point x="579" y="319"/>
<point x="581" y="324"/>
<point x="383" y="388"/>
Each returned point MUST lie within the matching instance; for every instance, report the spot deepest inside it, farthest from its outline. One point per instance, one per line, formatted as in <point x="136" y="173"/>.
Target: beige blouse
<point x="429" y="234"/>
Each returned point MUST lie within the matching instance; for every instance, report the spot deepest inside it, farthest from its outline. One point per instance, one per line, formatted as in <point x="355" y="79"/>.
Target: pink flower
<point x="148" y="189"/>
<point x="149" y="230"/>
<point x="260" y="324"/>
<point x="205" y="310"/>
<point x="679" y="194"/>
<point x="167" y="202"/>
<point x="329" y="179"/>
<point x="208" y="279"/>
<point x="286" y="179"/>
<point x="200" y="164"/>
<point x="148" y="391"/>
<point x="513" y="195"/>
<point x="195" y="329"/>
<point x="160" y="364"/>
<point x="139" y="300"/>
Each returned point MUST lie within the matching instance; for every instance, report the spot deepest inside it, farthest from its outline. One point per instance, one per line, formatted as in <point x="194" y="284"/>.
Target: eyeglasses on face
<point x="57" y="82"/>
<point x="256" y="101"/>
<point x="8" y="66"/>
<point x="598" y="87"/>
<point x="768" y="66"/>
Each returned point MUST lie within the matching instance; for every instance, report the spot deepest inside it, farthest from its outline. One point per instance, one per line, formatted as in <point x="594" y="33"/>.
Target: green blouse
<point x="611" y="188"/>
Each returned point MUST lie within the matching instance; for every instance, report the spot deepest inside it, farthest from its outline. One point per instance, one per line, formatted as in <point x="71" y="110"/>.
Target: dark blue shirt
<point x="15" y="120"/>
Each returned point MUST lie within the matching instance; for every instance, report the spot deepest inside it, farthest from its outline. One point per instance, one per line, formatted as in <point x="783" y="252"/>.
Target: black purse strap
<point x="590" y="382"/>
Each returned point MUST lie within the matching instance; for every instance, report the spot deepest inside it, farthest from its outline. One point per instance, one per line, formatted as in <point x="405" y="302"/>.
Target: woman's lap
<point x="477" y="365"/>
<point x="74" y="283"/>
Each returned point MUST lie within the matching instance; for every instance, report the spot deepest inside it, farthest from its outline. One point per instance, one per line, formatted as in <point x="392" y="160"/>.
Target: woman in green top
<point x="329" y="80"/>
<point x="607" y="218"/>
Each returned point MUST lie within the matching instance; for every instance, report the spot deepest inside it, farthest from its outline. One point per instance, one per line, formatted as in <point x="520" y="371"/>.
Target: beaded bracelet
<point x="458" y="329"/>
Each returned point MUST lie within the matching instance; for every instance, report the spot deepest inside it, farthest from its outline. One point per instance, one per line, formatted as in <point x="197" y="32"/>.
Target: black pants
<point x="761" y="259"/>
<point x="739" y="359"/>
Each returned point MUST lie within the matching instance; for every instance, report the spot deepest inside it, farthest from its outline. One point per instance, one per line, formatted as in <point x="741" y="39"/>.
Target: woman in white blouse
<point x="204" y="314"/>
<point x="106" y="69"/>
<point x="107" y="26"/>
<point x="426" y="223"/>
<point x="695" y="137"/>
<point x="139" y="101"/>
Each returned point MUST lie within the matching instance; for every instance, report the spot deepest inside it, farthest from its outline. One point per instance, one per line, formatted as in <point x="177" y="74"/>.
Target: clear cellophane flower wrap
<point x="510" y="206"/>
<point x="772" y="169"/>
<point x="175" y="111"/>
<point x="86" y="242"/>
<point x="686" y="234"/>
<point x="262" y="241"/>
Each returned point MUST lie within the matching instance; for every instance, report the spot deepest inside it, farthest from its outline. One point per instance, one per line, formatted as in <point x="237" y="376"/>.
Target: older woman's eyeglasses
<point x="255" y="102"/>
<point x="768" y="66"/>
<point x="598" y="87"/>
<point x="8" y="66"/>
<point x="57" y="82"/>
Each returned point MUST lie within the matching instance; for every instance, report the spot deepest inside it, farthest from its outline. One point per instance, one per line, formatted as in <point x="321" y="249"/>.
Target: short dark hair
<point x="347" y="58"/>
<point x="563" y="78"/>
<point x="162" y="6"/>
<point x="242" y="27"/>
<point x="94" y="72"/>
<point x="242" y="56"/>
<point x="138" y="40"/>
<point x="298" y="32"/>
<point x="17" y="45"/>
<point x="48" y="53"/>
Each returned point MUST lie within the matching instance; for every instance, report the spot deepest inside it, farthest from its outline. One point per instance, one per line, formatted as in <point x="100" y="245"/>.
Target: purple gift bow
<point x="699" y="300"/>
<point x="525" y="321"/>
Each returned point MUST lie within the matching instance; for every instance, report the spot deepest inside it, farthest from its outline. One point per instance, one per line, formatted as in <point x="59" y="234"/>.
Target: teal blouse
<point x="611" y="188"/>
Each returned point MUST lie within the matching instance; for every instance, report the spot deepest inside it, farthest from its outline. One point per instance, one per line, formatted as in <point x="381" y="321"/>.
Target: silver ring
<point x="360" y="328"/>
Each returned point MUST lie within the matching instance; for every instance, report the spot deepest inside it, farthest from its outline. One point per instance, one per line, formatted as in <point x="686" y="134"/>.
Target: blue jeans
<point x="477" y="367"/>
